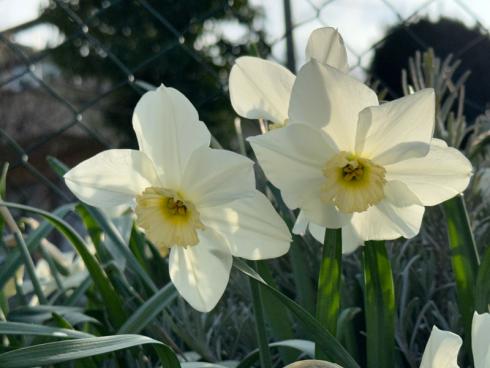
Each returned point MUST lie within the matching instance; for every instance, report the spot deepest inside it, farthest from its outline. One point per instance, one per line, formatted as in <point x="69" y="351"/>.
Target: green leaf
<point x="62" y="351"/>
<point x="41" y="313"/>
<point x="14" y="259"/>
<point x="347" y="333"/>
<point x="327" y="342"/>
<point x="3" y="180"/>
<point x="18" y="328"/>
<point x="260" y="327"/>
<point x="111" y="231"/>
<point x="303" y="346"/>
<point x="464" y="260"/>
<point x="379" y="305"/>
<point x="482" y="289"/>
<point x="328" y="292"/>
<point x="277" y="316"/>
<point x="101" y="281"/>
<point x="149" y="310"/>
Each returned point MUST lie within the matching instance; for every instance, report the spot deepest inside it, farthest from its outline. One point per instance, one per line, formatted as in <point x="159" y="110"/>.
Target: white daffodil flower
<point x="443" y="347"/>
<point x="348" y="162"/>
<point x="260" y="89"/>
<point x="199" y="202"/>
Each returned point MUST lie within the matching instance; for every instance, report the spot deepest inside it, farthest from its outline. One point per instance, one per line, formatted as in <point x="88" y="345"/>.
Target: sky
<point x="361" y="22"/>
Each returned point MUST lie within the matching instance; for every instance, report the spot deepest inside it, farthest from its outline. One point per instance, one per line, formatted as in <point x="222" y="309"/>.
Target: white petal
<point x="317" y="231"/>
<point x="168" y="130"/>
<point x="296" y="168"/>
<point x="201" y="272"/>
<point x="288" y="162"/>
<point x="350" y="239"/>
<point x="441" y="350"/>
<point x="324" y="97"/>
<point x="327" y="46"/>
<point x="215" y="176"/>
<point x="301" y="224"/>
<point x="323" y="214"/>
<point x="399" y="194"/>
<point x="480" y="340"/>
<point x="251" y="227"/>
<point x="385" y="221"/>
<point x="111" y="178"/>
<point x="442" y="174"/>
<point x="260" y="89"/>
<point x="397" y="130"/>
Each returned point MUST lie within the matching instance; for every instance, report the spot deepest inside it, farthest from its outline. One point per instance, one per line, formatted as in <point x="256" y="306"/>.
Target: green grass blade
<point x="18" y="328"/>
<point x="63" y="351"/>
<point x="482" y="289"/>
<point x="301" y="274"/>
<point x="277" y="316"/>
<point x="149" y="310"/>
<point x="379" y="306"/>
<point x="260" y="327"/>
<point x="328" y="291"/>
<point x="101" y="281"/>
<point x="464" y="260"/>
<point x="14" y="259"/>
<point x="318" y="333"/>
<point x="111" y="231"/>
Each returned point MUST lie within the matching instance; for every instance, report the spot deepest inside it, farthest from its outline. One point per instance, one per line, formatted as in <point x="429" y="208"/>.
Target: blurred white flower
<point x="312" y="364"/>
<point x="260" y="89"/>
<point x="443" y="346"/>
<point x="348" y="162"/>
<point x="200" y="202"/>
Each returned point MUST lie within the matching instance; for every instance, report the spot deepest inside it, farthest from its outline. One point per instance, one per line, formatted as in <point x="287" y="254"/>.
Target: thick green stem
<point x="329" y="278"/>
<point x="464" y="260"/>
<point x="379" y="306"/>
<point x="264" y="353"/>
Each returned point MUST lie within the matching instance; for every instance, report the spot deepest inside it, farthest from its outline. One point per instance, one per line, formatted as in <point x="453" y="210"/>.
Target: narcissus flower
<point x="260" y="89"/>
<point x="443" y="346"/>
<point x="199" y="202"/>
<point x="348" y="162"/>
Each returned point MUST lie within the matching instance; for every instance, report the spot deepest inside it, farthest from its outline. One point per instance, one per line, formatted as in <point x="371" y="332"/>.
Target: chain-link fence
<point x="71" y="94"/>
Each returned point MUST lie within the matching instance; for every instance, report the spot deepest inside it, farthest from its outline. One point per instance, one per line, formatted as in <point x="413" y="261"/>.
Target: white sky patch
<point x="361" y="22"/>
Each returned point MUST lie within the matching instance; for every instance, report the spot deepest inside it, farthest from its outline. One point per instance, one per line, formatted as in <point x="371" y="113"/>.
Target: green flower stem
<point x="379" y="305"/>
<point x="31" y="270"/>
<point x="257" y="301"/>
<point x="329" y="279"/>
<point x="464" y="260"/>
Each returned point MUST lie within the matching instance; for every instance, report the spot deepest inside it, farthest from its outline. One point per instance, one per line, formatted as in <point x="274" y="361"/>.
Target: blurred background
<point x="71" y="71"/>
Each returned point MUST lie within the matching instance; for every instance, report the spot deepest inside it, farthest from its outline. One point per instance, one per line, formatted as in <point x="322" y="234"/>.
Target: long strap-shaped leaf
<point x="63" y="351"/>
<point x="379" y="306"/>
<point x="60" y="168"/>
<point x="464" y="260"/>
<point x="327" y="342"/>
<point x="260" y="327"/>
<point x="101" y="281"/>
<point x="19" y="328"/>
<point x="14" y="258"/>
<point x="328" y="292"/>
<point x="149" y="310"/>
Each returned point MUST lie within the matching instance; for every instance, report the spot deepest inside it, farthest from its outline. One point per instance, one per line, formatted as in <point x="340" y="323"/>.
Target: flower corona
<point x="352" y="183"/>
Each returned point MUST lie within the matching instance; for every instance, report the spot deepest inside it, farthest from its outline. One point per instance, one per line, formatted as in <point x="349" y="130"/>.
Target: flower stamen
<point x="167" y="218"/>
<point x="352" y="183"/>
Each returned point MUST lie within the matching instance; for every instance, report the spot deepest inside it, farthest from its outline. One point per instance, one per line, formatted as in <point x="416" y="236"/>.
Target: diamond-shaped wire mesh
<point x="56" y="101"/>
